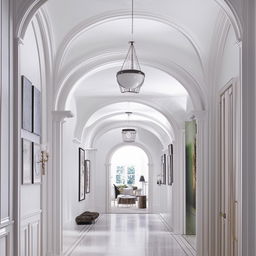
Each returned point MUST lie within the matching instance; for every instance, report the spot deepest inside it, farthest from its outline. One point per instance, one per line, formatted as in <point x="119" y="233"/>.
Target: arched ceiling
<point x="173" y="43"/>
<point x="98" y="99"/>
<point x="114" y="116"/>
<point x="197" y="17"/>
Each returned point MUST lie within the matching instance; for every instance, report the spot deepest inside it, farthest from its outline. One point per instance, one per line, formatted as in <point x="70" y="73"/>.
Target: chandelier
<point x="130" y="78"/>
<point x="128" y="134"/>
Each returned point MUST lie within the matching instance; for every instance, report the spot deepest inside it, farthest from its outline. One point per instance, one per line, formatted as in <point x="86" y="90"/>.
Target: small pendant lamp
<point x="128" y="134"/>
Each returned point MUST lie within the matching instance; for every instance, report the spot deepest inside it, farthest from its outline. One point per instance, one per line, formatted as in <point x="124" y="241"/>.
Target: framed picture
<point x="170" y="165"/>
<point x="163" y="161"/>
<point x="26" y="104"/>
<point x="36" y="163"/>
<point x="81" y="174"/>
<point x="87" y="176"/>
<point x="27" y="162"/>
<point x="37" y="111"/>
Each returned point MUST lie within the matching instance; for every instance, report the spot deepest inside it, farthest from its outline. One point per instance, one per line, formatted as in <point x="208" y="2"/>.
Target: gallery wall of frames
<point x="166" y="175"/>
<point x="31" y="132"/>
<point x="31" y="167"/>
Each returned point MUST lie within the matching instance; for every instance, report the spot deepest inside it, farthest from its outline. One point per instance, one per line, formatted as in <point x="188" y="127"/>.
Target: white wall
<point x="229" y="67"/>
<point x="6" y="204"/>
<point x="72" y="207"/>
<point x="30" y="205"/>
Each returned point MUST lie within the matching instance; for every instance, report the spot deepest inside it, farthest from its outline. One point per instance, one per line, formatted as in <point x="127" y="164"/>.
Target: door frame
<point x="237" y="139"/>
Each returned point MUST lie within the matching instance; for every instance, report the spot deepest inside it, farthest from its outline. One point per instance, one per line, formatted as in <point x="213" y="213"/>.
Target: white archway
<point x="149" y="171"/>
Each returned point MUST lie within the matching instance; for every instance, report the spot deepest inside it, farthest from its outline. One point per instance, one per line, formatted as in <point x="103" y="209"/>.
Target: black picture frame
<point x="27" y="162"/>
<point x="170" y="165"/>
<point x="87" y="175"/>
<point x="37" y="111"/>
<point x="163" y="167"/>
<point x="81" y="195"/>
<point x="26" y="104"/>
<point x="37" y="173"/>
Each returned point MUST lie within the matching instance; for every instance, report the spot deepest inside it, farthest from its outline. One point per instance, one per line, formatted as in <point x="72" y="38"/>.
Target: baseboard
<point x="86" y="229"/>
<point x="184" y="244"/>
<point x="169" y="228"/>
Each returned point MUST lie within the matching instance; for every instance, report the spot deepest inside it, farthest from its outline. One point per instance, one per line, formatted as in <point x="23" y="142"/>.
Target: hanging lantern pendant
<point x="130" y="78"/>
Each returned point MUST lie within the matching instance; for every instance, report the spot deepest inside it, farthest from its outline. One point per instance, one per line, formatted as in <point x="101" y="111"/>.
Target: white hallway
<point x="199" y="60"/>
<point x="131" y="234"/>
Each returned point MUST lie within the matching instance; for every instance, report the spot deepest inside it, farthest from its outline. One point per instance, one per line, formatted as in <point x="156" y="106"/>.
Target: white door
<point x="227" y="174"/>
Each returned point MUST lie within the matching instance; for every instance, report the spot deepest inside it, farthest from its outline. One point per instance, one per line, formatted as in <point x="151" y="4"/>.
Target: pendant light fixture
<point x="130" y="78"/>
<point x="128" y="134"/>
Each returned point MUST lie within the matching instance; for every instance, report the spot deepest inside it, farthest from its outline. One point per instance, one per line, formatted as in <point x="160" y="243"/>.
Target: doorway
<point x="128" y="186"/>
<point x="228" y="175"/>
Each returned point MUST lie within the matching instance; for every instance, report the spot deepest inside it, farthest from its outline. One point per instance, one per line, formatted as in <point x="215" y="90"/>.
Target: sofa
<point x="125" y="190"/>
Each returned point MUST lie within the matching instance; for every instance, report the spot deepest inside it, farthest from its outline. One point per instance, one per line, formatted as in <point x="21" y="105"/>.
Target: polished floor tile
<point x="128" y="234"/>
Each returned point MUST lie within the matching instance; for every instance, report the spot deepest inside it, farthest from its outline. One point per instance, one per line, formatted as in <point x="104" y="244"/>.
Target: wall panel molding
<point x="30" y="235"/>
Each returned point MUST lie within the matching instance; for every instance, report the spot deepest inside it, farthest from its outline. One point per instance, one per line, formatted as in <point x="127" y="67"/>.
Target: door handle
<point x="223" y="215"/>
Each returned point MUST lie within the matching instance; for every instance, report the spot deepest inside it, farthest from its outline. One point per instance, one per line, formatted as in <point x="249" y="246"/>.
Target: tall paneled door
<point x="228" y="176"/>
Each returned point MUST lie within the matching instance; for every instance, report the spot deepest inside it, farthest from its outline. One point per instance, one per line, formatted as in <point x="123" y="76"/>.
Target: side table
<point x="142" y="202"/>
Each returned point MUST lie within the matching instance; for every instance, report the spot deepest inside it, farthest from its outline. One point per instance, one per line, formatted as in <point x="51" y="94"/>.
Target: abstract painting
<point x="190" y="140"/>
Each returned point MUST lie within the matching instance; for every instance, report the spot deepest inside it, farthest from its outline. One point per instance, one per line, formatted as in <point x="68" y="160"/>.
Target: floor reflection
<point x="129" y="234"/>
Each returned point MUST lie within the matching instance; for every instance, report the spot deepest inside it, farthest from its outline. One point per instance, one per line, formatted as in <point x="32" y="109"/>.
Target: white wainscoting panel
<point x="30" y="237"/>
<point x="4" y="237"/>
<point x="3" y="246"/>
<point x="24" y="241"/>
<point x="35" y="238"/>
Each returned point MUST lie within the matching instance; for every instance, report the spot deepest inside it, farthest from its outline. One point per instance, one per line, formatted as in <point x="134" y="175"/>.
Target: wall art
<point x="190" y="140"/>
<point x="27" y="162"/>
<point x="81" y="174"/>
<point x="163" y="166"/>
<point x="26" y="104"/>
<point x="36" y="163"/>
<point x="170" y="165"/>
<point x="37" y="110"/>
<point x="87" y="175"/>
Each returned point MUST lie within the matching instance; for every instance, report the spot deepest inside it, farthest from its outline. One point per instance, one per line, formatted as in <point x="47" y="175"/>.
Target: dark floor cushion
<point x="95" y="215"/>
<point x="87" y="218"/>
<point x="84" y="220"/>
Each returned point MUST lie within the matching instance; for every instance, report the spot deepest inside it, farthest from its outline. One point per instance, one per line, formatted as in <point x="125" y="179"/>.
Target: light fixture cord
<point x="132" y="48"/>
<point x="132" y="18"/>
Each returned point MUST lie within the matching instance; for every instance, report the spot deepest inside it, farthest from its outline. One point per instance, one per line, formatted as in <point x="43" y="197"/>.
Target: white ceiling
<point x="173" y="42"/>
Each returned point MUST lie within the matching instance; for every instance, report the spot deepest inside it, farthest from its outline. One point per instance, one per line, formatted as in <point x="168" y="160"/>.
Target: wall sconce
<point x="159" y="179"/>
<point x="43" y="160"/>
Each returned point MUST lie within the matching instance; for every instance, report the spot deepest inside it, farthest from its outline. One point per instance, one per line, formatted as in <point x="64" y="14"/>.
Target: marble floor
<point x="191" y="240"/>
<point x="129" y="234"/>
<point x="122" y="208"/>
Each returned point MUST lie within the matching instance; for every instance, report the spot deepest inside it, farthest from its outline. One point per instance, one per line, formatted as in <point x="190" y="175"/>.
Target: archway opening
<point x="129" y="175"/>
